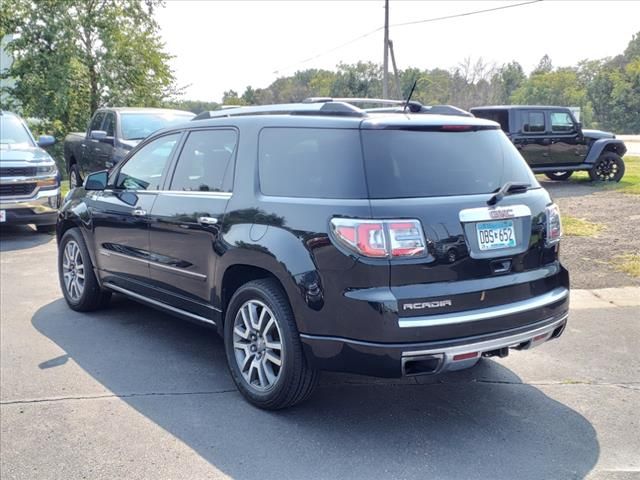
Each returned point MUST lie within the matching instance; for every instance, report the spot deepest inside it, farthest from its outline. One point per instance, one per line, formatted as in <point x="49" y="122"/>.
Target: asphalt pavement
<point x="130" y="392"/>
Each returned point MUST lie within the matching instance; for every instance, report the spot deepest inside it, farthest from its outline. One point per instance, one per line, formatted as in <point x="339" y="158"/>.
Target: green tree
<point x="73" y="56"/>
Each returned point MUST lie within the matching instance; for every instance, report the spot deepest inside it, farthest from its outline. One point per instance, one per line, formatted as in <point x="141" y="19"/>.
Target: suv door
<point x="532" y="139"/>
<point x="566" y="147"/>
<point x="186" y="220"/>
<point x="120" y="213"/>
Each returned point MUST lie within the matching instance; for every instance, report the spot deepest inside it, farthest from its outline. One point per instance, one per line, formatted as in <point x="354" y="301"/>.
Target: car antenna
<point x="406" y="104"/>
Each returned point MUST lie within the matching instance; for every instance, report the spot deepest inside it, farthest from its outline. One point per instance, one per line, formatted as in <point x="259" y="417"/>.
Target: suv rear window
<point x="311" y="162"/>
<point x="403" y="163"/>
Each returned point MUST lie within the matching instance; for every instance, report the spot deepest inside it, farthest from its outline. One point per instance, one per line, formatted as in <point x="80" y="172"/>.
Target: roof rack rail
<point x="324" y="108"/>
<point x="413" y="106"/>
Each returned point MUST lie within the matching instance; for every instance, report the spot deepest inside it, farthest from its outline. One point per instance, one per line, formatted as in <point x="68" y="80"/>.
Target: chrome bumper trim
<point x="548" y="298"/>
<point x="39" y="202"/>
<point x="525" y="340"/>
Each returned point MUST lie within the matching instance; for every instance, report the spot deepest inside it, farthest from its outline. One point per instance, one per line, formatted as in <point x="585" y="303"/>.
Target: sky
<point x="223" y="45"/>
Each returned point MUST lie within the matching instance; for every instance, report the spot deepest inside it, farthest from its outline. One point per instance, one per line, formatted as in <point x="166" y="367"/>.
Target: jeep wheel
<point x="74" y="177"/>
<point x="77" y="280"/>
<point x="558" y="176"/>
<point x="263" y="348"/>
<point x="608" y="168"/>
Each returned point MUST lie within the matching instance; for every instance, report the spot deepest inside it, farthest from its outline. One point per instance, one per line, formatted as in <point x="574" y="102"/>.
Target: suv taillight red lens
<point x="554" y="225"/>
<point x="380" y="239"/>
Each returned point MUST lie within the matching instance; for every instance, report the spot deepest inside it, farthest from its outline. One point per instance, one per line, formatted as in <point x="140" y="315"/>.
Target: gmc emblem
<point x="503" y="213"/>
<point x="421" y="305"/>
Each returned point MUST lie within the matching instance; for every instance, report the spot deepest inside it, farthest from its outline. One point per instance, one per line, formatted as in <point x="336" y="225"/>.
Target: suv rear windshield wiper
<point x="507" y="189"/>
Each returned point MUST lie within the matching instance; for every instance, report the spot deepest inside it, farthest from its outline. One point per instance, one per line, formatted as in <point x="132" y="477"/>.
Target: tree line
<point x="73" y="56"/>
<point x="606" y="90"/>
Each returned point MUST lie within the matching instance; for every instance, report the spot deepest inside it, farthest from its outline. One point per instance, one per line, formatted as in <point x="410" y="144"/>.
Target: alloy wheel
<point x="257" y="344"/>
<point x="73" y="270"/>
<point x="606" y="169"/>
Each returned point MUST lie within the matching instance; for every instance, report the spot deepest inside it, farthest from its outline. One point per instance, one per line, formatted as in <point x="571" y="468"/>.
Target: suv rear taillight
<point x="554" y="225"/>
<point x="380" y="238"/>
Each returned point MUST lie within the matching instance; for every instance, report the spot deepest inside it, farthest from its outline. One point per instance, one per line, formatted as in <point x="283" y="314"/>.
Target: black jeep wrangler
<point x="323" y="236"/>
<point x="554" y="143"/>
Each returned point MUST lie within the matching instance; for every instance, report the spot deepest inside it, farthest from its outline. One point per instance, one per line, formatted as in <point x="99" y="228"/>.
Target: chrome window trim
<point x="187" y="193"/>
<point x="164" y="306"/>
<point x="543" y="300"/>
<point x="484" y="213"/>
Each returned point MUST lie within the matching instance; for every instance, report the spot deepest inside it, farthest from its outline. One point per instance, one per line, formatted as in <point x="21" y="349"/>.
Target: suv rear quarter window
<point x="311" y="162"/>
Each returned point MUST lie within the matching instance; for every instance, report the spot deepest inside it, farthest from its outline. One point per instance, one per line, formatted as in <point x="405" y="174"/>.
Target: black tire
<point x="452" y="255"/>
<point x="609" y="167"/>
<point x="75" y="179"/>
<point x="296" y="379"/>
<point x="46" y="228"/>
<point x="92" y="296"/>
<point x="558" y="176"/>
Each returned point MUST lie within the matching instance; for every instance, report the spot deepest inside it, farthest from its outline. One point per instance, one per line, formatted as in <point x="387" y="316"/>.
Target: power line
<point x="466" y="14"/>
<point x="426" y="20"/>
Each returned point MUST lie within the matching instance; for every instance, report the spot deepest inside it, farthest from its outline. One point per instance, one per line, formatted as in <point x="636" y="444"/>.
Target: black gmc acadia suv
<point x="318" y="236"/>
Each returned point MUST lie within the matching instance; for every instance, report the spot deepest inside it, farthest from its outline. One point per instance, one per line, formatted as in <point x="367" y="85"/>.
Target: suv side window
<point x="533" y="122"/>
<point x="311" y="162"/>
<point x="109" y="125"/>
<point x="561" y="122"/>
<point x="205" y="163"/>
<point x="143" y="171"/>
<point x="96" y="123"/>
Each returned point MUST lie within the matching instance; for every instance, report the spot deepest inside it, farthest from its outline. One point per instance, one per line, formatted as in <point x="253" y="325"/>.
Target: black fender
<point x="271" y="248"/>
<point x="599" y="146"/>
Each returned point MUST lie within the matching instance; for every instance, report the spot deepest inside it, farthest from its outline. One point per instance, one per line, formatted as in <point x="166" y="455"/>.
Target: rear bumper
<point x="396" y="360"/>
<point x="40" y="209"/>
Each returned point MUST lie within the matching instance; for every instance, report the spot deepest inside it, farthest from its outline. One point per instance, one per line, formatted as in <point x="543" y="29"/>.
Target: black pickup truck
<point x="111" y="134"/>
<point x="553" y="142"/>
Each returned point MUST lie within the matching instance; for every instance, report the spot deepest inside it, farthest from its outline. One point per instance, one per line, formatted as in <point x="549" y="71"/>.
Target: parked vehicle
<point x="554" y="143"/>
<point x="317" y="236"/>
<point x="111" y="134"/>
<point x="29" y="179"/>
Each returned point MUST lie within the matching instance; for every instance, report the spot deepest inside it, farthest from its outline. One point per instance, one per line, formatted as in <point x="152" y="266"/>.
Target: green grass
<point x="579" y="227"/>
<point x="630" y="183"/>
<point x="628" y="263"/>
<point x="64" y="187"/>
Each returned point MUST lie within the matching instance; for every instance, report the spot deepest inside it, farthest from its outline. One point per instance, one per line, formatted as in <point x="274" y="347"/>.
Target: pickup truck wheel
<point x="609" y="167"/>
<point x="77" y="279"/>
<point x="263" y="347"/>
<point x="74" y="177"/>
<point x="557" y="176"/>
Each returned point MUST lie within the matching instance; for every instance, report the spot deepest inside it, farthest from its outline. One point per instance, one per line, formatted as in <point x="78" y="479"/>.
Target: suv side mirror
<point x="97" y="134"/>
<point x="578" y="127"/>
<point x="46" y="141"/>
<point x="97" y="180"/>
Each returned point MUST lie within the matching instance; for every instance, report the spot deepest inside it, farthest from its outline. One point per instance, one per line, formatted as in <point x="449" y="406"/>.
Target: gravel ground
<point x="590" y="259"/>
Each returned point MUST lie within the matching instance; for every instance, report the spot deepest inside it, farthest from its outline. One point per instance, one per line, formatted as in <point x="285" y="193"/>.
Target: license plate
<point x="3" y="216"/>
<point x="494" y="235"/>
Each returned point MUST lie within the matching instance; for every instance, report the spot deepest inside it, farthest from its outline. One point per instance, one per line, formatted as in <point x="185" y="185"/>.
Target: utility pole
<point x="395" y="71"/>
<point x="385" y="63"/>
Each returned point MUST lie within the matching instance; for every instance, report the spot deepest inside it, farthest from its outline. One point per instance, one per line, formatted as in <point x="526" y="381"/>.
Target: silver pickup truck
<point x="29" y="179"/>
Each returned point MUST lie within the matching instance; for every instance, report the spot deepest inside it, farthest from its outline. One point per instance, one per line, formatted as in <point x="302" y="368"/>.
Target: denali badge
<point x="502" y="213"/>
<point x="421" y="305"/>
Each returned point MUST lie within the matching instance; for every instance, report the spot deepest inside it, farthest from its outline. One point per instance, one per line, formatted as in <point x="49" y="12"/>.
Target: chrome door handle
<point x="139" y="212"/>
<point x="207" y="220"/>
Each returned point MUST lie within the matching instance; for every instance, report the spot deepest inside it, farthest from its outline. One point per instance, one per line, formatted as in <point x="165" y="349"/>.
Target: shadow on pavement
<point x="20" y="237"/>
<point x="481" y="423"/>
